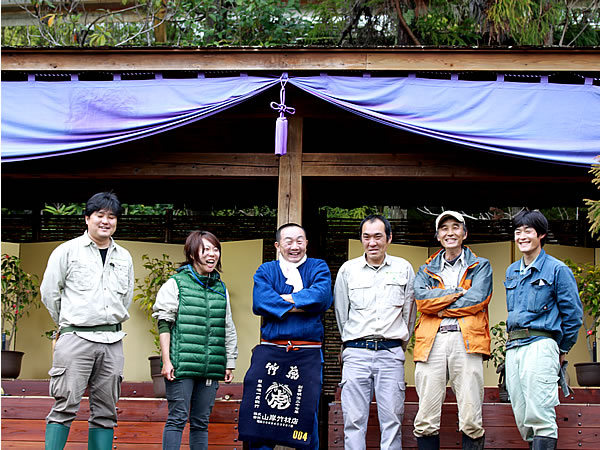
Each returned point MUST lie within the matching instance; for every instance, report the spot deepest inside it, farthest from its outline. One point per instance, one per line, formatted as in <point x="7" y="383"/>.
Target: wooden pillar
<point x="289" y="205"/>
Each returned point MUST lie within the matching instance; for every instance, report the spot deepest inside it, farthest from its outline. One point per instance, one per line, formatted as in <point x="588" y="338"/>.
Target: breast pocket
<point x="540" y="296"/>
<point x="119" y="277"/>
<point x="81" y="276"/>
<point x="360" y="293"/>
<point x="511" y="292"/>
<point x="395" y="289"/>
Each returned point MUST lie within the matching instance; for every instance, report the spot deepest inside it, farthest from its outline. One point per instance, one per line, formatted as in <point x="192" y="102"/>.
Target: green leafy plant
<point x="335" y="212"/>
<point x="594" y="205"/>
<point x="498" y="351"/>
<point x="267" y="23"/>
<point x="19" y="295"/>
<point x="447" y="23"/>
<point x="498" y="356"/>
<point x="63" y="209"/>
<point x="588" y="284"/>
<point x="527" y="22"/>
<point x="159" y="271"/>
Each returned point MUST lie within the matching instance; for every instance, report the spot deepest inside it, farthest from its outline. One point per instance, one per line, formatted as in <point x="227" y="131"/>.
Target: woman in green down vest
<point x="198" y="341"/>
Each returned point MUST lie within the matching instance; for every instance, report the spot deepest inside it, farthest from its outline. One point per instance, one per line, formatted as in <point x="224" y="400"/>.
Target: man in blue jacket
<point x="544" y="316"/>
<point x="283" y="385"/>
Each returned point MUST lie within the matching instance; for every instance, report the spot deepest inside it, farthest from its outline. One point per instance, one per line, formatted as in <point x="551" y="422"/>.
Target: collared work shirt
<point x="166" y="308"/>
<point x="375" y="302"/>
<point x="451" y="275"/>
<point x="78" y="290"/>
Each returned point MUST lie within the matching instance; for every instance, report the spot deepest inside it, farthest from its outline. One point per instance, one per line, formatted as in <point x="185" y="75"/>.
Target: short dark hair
<point x="287" y="225"/>
<point x="373" y="218"/>
<point x="534" y="219"/>
<point x="193" y="245"/>
<point x="106" y="201"/>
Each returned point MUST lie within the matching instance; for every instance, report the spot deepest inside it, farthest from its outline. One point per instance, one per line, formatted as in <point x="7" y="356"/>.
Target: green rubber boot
<point x="56" y="436"/>
<point x="100" y="438"/>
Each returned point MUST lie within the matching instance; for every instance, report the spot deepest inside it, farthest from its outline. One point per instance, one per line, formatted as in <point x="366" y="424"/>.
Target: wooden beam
<point x="289" y="207"/>
<point x="334" y="60"/>
<point x="296" y="164"/>
<point x="425" y="165"/>
<point x="166" y="165"/>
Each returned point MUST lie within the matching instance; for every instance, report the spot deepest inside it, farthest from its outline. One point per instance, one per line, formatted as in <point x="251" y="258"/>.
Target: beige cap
<point x="445" y="214"/>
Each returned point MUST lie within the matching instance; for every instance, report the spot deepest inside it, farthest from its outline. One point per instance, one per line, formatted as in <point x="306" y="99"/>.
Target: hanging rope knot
<point x="281" y="106"/>
<point x="281" y="123"/>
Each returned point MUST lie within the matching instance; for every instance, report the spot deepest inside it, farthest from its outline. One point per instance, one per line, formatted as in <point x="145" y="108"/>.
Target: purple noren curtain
<point x="553" y="122"/>
<point x="42" y="119"/>
<point x="545" y="121"/>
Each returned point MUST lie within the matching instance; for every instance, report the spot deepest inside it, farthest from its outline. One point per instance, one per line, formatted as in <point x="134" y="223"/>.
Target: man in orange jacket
<point x="452" y="292"/>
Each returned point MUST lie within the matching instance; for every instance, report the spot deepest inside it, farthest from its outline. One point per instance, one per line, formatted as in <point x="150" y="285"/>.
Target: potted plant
<point x="19" y="295"/>
<point x="159" y="271"/>
<point x="588" y="285"/>
<point x="498" y="357"/>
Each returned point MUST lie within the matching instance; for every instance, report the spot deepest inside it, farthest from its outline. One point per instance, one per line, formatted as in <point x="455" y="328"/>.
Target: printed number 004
<point x="300" y="435"/>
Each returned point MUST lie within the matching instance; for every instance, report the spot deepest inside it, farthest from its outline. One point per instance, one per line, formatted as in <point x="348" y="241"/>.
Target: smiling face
<point x="374" y="241"/>
<point x="292" y="244"/>
<point x="101" y="225"/>
<point x="451" y="234"/>
<point x="528" y="241"/>
<point x="208" y="258"/>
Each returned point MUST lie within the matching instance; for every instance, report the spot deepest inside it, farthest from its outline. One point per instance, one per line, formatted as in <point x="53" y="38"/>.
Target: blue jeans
<point x="189" y="398"/>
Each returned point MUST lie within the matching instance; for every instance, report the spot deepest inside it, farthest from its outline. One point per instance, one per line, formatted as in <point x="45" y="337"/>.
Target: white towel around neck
<point x="291" y="273"/>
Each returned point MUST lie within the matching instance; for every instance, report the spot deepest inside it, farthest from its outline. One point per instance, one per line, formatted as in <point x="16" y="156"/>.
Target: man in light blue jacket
<point x="544" y="316"/>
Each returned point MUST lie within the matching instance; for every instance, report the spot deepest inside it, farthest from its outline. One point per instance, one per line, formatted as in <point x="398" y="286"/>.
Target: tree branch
<point x="404" y="24"/>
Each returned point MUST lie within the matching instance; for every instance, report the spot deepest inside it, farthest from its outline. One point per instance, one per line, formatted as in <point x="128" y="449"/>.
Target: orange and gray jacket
<point x="471" y="309"/>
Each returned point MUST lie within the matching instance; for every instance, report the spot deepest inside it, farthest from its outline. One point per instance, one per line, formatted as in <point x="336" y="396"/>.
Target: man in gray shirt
<point x="87" y="289"/>
<point x="373" y="300"/>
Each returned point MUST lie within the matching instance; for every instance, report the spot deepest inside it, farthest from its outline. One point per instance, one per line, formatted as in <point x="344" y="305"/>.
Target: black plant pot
<point x="11" y="363"/>
<point x="157" y="379"/>
<point x="588" y="373"/>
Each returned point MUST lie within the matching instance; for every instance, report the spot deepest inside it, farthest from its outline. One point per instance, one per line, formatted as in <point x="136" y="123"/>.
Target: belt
<point x="374" y="344"/>
<point x="523" y="333"/>
<point x="446" y="328"/>
<point x="291" y="345"/>
<point x="116" y="327"/>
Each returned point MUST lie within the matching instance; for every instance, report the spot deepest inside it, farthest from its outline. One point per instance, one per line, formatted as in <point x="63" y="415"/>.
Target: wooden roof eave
<point x="302" y="59"/>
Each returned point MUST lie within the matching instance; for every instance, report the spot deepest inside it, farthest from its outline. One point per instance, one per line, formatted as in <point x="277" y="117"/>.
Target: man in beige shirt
<point x="87" y="289"/>
<point x="373" y="300"/>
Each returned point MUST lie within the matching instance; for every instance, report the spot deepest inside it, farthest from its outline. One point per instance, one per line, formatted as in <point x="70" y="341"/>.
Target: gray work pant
<point x="79" y="364"/>
<point x="366" y="372"/>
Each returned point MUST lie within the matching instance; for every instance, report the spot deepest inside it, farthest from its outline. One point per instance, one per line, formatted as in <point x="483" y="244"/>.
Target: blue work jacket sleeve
<point x="477" y="295"/>
<point x="569" y="306"/>
<point x="317" y="296"/>
<point x="266" y="301"/>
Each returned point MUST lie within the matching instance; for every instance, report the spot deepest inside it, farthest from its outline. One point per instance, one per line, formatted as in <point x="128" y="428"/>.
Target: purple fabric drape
<point x="42" y="119"/>
<point x="552" y="122"/>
